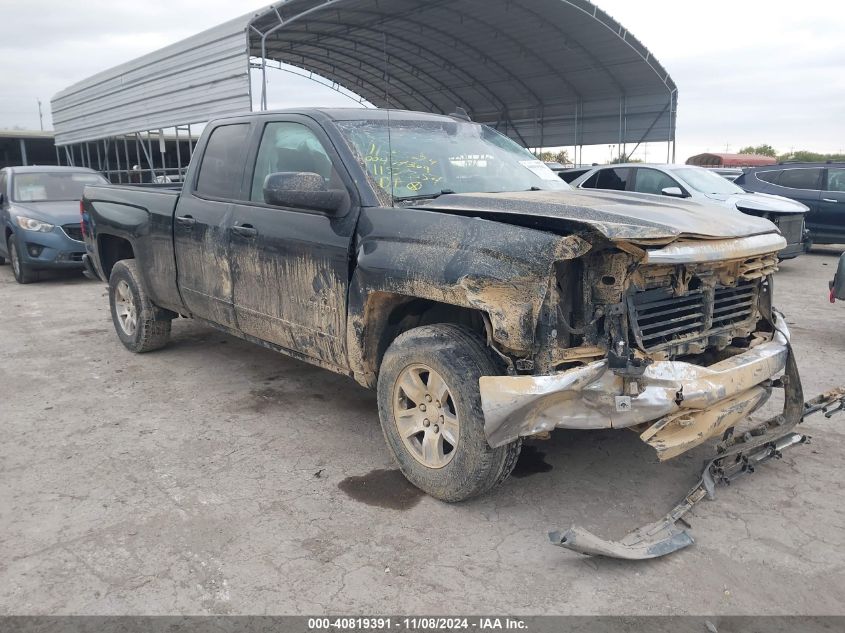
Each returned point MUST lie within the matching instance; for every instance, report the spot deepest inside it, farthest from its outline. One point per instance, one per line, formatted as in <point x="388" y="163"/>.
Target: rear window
<point x="768" y="176"/>
<point x="800" y="178"/>
<point x="222" y="164"/>
<point x="836" y="179"/>
<point x="616" y="179"/>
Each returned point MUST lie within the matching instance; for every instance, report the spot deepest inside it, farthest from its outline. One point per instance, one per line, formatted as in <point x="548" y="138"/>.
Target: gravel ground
<point x="216" y="477"/>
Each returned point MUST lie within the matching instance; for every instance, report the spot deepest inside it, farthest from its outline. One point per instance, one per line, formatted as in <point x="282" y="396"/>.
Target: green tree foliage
<point x="561" y="157"/>
<point x="624" y="159"/>
<point x="805" y="156"/>
<point x="760" y="150"/>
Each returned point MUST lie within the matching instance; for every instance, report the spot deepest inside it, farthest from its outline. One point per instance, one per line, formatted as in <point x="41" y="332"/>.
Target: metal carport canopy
<point x="546" y="72"/>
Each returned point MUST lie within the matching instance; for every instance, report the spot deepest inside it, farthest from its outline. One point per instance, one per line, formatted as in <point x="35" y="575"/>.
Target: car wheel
<point x="23" y="273"/>
<point x="138" y="323"/>
<point x="430" y="412"/>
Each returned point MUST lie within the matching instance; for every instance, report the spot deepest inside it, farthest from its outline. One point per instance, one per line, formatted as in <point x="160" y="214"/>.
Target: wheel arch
<point x="386" y="315"/>
<point x="111" y="249"/>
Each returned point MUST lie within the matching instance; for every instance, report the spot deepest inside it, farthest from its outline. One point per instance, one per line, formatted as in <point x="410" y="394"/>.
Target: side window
<point x="590" y="183"/>
<point x="768" y="176"/>
<point x="616" y="179"/>
<point x="3" y="186"/>
<point x="652" y="181"/>
<point x="835" y="179"/>
<point x="800" y="178"/>
<point x="222" y="164"/>
<point x="291" y="147"/>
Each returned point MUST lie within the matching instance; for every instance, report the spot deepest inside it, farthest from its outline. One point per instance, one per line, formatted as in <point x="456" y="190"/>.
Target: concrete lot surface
<point x="218" y="477"/>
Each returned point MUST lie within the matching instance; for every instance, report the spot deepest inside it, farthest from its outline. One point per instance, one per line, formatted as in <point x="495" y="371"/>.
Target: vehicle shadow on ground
<point x="608" y="481"/>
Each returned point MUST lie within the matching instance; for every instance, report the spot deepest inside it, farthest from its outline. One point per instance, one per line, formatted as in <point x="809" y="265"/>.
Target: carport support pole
<point x="117" y="160"/>
<point x="58" y="156"/>
<point x="178" y="153"/>
<point x="272" y="29"/>
<point x="23" y="152"/>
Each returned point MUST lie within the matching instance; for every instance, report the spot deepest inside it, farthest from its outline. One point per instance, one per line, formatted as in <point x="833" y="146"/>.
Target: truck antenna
<point x="387" y="103"/>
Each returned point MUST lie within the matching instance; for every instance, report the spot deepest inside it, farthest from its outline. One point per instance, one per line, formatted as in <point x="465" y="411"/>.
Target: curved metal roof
<point x="547" y="72"/>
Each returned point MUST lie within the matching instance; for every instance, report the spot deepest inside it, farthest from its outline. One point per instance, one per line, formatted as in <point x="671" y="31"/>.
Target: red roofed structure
<point x="731" y="160"/>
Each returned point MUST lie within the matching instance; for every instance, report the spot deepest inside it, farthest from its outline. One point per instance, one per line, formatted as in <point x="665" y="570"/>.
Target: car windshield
<point x="50" y="186"/>
<point x="706" y="181"/>
<point x="427" y="158"/>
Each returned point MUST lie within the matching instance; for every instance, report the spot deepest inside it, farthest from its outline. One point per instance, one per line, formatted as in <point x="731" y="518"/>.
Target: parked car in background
<point x="39" y="212"/>
<point x="819" y="186"/>
<point x="728" y="173"/>
<point x="703" y="185"/>
<point x="568" y="175"/>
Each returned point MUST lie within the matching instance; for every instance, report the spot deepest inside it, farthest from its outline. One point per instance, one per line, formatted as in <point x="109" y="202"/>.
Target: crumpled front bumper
<point x="685" y="404"/>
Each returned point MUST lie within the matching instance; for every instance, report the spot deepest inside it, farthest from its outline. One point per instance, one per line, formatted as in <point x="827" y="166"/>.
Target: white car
<point x="703" y="185"/>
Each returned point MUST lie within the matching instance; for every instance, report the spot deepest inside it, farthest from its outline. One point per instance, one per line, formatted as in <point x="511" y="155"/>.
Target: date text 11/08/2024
<point x="416" y="624"/>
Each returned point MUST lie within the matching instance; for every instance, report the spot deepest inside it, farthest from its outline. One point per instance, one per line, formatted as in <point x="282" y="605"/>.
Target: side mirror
<point x="303" y="190"/>
<point x="673" y="192"/>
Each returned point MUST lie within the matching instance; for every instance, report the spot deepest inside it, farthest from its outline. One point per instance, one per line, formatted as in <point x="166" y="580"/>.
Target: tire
<point x="412" y="369"/>
<point x="23" y="273"/>
<point x="136" y="320"/>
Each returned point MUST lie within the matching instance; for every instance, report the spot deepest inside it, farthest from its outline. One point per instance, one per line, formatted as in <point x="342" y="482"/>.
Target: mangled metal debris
<point x="738" y="456"/>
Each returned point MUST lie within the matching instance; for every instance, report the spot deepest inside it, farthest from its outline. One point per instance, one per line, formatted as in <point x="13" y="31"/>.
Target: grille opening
<point x="658" y="318"/>
<point x="73" y="231"/>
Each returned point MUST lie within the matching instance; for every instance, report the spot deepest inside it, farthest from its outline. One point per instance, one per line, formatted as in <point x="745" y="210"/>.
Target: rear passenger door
<point x="804" y="185"/>
<point x="830" y="218"/>
<point x="201" y="225"/>
<point x="290" y="266"/>
<point x="612" y="178"/>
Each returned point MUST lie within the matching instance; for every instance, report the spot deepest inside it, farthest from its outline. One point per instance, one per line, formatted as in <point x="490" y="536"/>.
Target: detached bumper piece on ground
<point x="736" y="455"/>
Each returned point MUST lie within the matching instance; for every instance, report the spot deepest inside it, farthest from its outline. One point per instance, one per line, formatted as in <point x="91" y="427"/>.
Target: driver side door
<point x="290" y="266"/>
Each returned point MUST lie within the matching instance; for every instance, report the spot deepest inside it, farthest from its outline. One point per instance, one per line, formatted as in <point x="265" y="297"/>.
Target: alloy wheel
<point x="426" y="416"/>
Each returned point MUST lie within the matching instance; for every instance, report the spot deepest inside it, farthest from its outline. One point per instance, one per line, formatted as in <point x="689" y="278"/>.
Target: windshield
<point x="706" y="181"/>
<point x="430" y="157"/>
<point x="50" y="186"/>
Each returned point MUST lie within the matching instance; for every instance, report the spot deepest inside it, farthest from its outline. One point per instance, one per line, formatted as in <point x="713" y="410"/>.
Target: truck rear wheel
<point x="430" y="412"/>
<point x="136" y="319"/>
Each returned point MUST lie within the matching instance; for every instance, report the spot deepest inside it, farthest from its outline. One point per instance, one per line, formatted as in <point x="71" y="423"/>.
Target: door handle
<point x="186" y="220"/>
<point x="245" y="230"/>
<point x="829" y="200"/>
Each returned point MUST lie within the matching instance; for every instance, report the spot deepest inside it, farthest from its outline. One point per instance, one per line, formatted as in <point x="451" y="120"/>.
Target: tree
<point x="804" y="156"/>
<point x="760" y="150"/>
<point x="624" y="159"/>
<point x="561" y="157"/>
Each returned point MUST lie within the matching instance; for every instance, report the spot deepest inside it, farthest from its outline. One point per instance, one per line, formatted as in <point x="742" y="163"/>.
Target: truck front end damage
<point x="679" y="343"/>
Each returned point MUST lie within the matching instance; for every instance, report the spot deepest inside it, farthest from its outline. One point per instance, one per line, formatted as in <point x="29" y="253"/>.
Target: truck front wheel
<point x="136" y="319"/>
<point x="430" y="412"/>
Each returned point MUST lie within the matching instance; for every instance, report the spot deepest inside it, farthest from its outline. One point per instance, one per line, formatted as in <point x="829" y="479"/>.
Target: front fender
<point x="499" y="269"/>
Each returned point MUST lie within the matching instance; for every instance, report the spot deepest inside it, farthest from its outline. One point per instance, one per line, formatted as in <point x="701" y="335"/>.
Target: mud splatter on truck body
<point x="585" y="309"/>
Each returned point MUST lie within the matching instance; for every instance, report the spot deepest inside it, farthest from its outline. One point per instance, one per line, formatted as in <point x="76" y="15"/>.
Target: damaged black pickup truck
<point x="437" y="261"/>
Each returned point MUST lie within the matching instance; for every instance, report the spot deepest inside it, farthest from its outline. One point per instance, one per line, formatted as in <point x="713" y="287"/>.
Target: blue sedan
<point x="39" y="213"/>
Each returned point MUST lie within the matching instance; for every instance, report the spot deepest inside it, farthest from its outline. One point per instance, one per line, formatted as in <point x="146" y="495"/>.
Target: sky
<point x="752" y="72"/>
